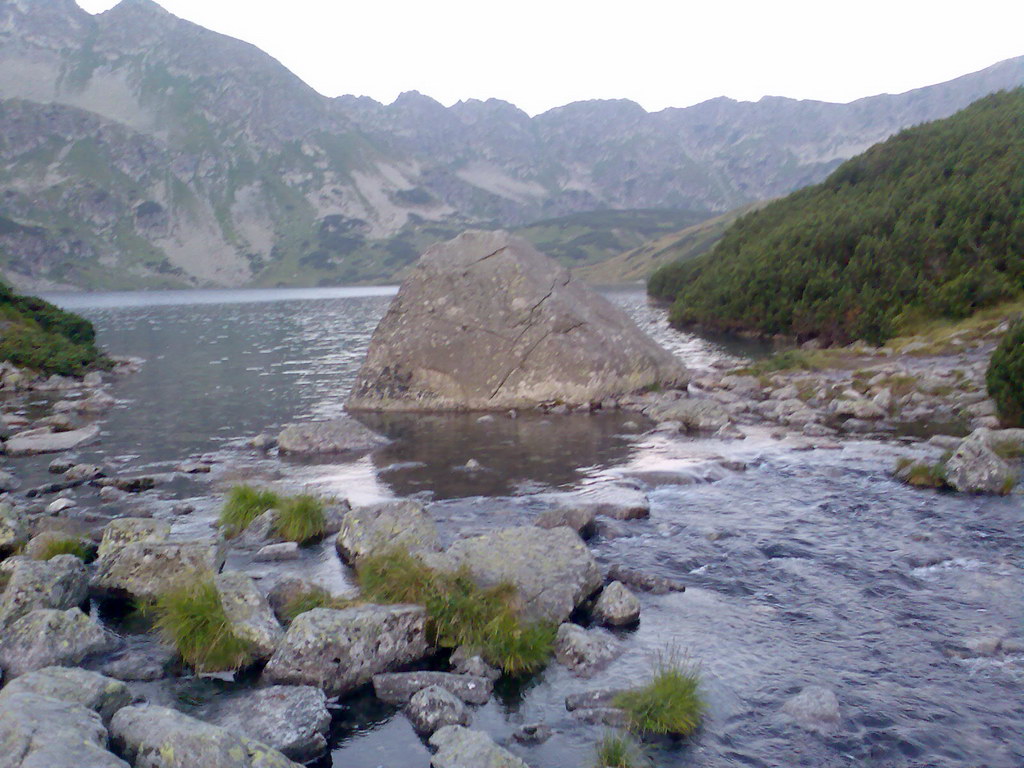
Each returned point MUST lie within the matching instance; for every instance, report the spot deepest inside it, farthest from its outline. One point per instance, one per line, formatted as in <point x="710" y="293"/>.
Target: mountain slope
<point x="929" y="223"/>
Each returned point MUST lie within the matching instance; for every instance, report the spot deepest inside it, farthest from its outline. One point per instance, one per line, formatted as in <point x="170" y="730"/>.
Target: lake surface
<point x="808" y="568"/>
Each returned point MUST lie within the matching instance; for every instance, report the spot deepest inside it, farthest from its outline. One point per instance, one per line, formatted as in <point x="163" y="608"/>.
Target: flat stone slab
<point x="400" y="687"/>
<point x="53" y="442"/>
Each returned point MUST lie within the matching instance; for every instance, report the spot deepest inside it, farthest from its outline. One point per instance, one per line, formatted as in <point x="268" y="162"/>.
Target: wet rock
<point x="859" y="408"/>
<point x="91" y="690"/>
<point x="434" y="707"/>
<point x="278" y="553"/>
<point x="8" y="482"/>
<point x="340" y="650"/>
<point x="128" y="530"/>
<point x="459" y="747"/>
<point x="603" y="697"/>
<point x="617" y="606"/>
<point x="14" y="530"/>
<point x="157" y="737"/>
<point x="60" y="465"/>
<point x="263" y="442"/>
<point x="194" y="468"/>
<point x="373" y="529"/>
<point x="133" y="483"/>
<point x="578" y="517"/>
<point x="486" y="322"/>
<point x="140" y="664"/>
<point x="695" y="415"/>
<point x="286" y="591"/>
<point x="975" y="468"/>
<point x="618" y="502"/>
<point x="465" y="661"/>
<point x="645" y="582"/>
<point x="584" y="651"/>
<point x="44" y="732"/>
<point x="293" y="719"/>
<point x="248" y="613"/>
<point x="611" y="717"/>
<point x="59" y="583"/>
<point x="399" y="687"/>
<point x="815" y="709"/>
<point x="144" y="569"/>
<point x="552" y="569"/>
<point x="48" y="637"/>
<point x="532" y="733"/>
<point x="111" y="494"/>
<point x="25" y="444"/>
<point x="81" y="473"/>
<point x="341" y="435"/>
<point x="57" y="506"/>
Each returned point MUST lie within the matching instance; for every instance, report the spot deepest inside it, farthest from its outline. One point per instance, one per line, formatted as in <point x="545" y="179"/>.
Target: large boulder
<point x="459" y="747"/>
<point x="48" y="637"/>
<point x="60" y="583"/>
<point x="248" y="613"/>
<point x="128" y="530"/>
<point x="293" y="719"/>
<point x="41" y="731"/>
<point x="486" y="322"/>
<point x="975" y="468"/>
<point x="552" y="569"/>
<point x="379" y="527"/>
<point x="91" y="690"/>
<point x="145" y="569"/>
<point x="341" y="650"/>
<point x="157" y="737"/>
<point x="341" y="435"/>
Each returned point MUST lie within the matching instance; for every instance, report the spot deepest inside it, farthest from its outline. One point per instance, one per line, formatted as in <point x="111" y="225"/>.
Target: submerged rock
<point x="341" y="435"/>
<point x="379" y="527"/>
<point x="50" y="442"/>
<point x="486" y="322"/>
<point x="584" y="651"/>
<point x="140" y="664"/>
<point x="340" y="650"/>
<point x="459" y="747"/>
<point x="815" y="708"/>
<point x="434" y="707"/>
<point x="293" y="719"/>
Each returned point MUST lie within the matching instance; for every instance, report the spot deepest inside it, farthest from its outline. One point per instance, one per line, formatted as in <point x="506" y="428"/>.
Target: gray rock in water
<point x="157" y="737"/>
<point x="584" y="651"/>
<point x="340" y="650"/>
<point x="579" y="517"/>
<point x="248" y="613"/>
<point x="618" y="502"/>
<point x="975" y="468"/>
<point x="145" y="569"/>
<point x="379" y="527"/>
<point x="645" y="582"/>
<point x="617" y="606"/>
<point x="341" y="435"/>
<point x="293" y="719"/>
<point x="459" y="747"/>
<point x="52" y="442"/>
<point x="466" y="661"/>
<point x="277" y="553"/>
<point x="59" y="583"/>
<point x="140" y="664"/>
<point x="695" y="415"/>
<point x="434" y="707"/>
<point x="48" y="637"/>
<point x="8" y="482"/>
<point x="552" y="569"/>
<point x="399" y="687"/>
<point x="44" y="732"/>
<point x="127" y="530"/>
<point x="77" y="686"/>
<point x="815" y="708"/>
<point x="486" y="322"/>
<point x="13" y="530"/>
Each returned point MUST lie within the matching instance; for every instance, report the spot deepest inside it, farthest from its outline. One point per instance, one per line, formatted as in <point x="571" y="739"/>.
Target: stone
<point x="533" y="733"/>
<point x="13" y="530"/>
<point x="341" y="650"/>
<point x="194" y="468"/>
<point x="8" y="482"/>
<point x="486" y="322"/>
<point x="133" y="483"/>
<point x="127" y="530"/>
<point x="38" y="545"/>
<point x="578" y="517"/>
<point x="96" y="403"/>
<point x="45" y="732"/>
<point x="553" y="570"/>
<point x="158" y="737"/>
<point x="695" y="415"/>
<point x="248" y="613"/>
<point x="600" y="698"/>
<point x="459" y="747"/>
<point x="975" y="468"/>
<point x="60" y="583"/>
<point x="25" y="444"/>
<point x="341" y="435"/>
<point x="815" y="709"/>
<point x="399" y="687"/>
<point x="49" y="637"/>
<point x="111" y="494"/>
<point x="140" y="664"/>
<point x="83" y="473"/>
<point x="618" y="502"/>
<point x="645" y="582"/>
<point x="858" y="408"/>
<point x="278" y="553"/>
<point x="584" y="651"/>
<point x="465" y="661"/>
<point x="617" y="606"/>
<point x="285" y="591"/>
<point x="403" y="524"/>
<point x="433" y="707"/>
<point x="57" y="506"/>
<point x="144" y="570"/>
<point x="293" y="719"/>
<point x="91" y="690"/>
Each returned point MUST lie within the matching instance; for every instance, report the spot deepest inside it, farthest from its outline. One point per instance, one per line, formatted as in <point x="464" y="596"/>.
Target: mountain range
<point x="140" y="150"/>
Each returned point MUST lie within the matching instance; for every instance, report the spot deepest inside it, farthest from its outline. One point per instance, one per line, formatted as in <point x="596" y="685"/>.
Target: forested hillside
<point x="929" y="223"/>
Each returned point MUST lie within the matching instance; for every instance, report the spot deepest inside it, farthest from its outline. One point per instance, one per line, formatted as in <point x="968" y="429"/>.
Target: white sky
<point x="540" y="54"/>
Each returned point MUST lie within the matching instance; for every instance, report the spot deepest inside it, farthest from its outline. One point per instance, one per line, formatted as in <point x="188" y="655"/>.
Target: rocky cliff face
<point x="140" y="149"/>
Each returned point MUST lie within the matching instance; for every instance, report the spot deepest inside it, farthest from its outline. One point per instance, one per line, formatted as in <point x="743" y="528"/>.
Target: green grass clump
<point x="243" y="505"/>
<point x="619" y="750"/>
<point x="921" y="474"/>
<point x="460" y="612"/>
<point x="670" y="703"/>
<point x="1005" y="376"/>
<point x="54" y="547"/>
<point x="787" y="360"/>
<point x="317" y="597"/>
<point x="300" y="518"/>
<point x="191" y="618"/>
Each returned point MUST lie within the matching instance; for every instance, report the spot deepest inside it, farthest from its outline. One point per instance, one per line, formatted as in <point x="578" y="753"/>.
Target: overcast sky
<point x="540" y="54"/>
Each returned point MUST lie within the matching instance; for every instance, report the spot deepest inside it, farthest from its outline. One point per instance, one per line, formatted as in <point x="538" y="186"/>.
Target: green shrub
<point x="69" y="546"/>
<point x="460" y="612"/>
<point x="671" y="703"/>
<point x="243" y="505"/>
<point x="191" y="618"/>
<point x="619" y="750"/>
<point x="1005" y="376"/>
<point x="300" y="518"/>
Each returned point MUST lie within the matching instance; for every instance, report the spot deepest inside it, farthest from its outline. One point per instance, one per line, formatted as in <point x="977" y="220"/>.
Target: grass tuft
<point x="619" y="750"/>
<point x="300" y="519"/>
<point x="460" y="612"/>
<point x="243" y="505"/>
<point x="317" y="597"/>
<point x="670" y="703"/>
<point x="54" y="547"/>
<point x="191" y="618"/>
